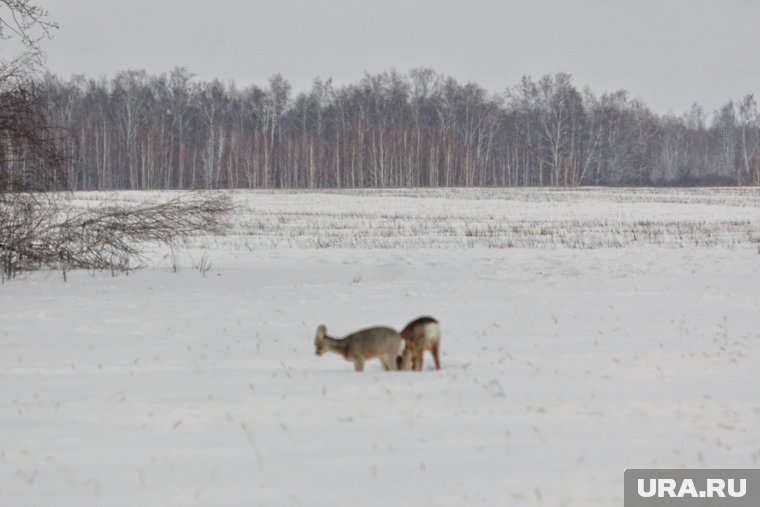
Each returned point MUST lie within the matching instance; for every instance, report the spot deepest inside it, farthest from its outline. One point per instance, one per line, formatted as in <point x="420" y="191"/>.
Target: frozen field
<point x="584" y="332"/>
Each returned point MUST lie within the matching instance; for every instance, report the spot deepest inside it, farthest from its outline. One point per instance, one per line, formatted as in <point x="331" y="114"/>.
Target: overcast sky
<point x="669" y="53"/>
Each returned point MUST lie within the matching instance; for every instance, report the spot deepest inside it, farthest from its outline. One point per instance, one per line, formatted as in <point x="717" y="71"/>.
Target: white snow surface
<point x="587" y="350"/>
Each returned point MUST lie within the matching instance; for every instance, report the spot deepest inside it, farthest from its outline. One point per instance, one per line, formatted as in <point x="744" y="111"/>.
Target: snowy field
<point x="584" y="332"/>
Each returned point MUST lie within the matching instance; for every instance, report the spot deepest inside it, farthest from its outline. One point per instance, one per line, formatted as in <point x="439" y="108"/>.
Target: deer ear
<point x="321" y="332"/>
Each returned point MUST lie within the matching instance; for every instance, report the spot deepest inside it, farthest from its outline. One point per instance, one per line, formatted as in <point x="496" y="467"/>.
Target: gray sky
<point x="669" y="53"/>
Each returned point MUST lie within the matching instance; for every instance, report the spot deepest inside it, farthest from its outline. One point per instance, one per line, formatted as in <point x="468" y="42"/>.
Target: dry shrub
<point x="43" y="230"/>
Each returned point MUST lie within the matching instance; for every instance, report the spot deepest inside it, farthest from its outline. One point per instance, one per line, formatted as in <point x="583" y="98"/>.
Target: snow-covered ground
<point x="624" y="332"/>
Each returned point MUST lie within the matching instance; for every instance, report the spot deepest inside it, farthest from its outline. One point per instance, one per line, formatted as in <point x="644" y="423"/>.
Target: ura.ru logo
<point x="670" y="488"/>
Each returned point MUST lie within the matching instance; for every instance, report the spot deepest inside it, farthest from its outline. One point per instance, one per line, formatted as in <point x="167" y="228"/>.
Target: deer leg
<point x="436" y="358"/>
<point x="396" y="361"/>
<point x="405" y="359"/>
<point x="418" y="359"/>
<point x="388" y="362"/>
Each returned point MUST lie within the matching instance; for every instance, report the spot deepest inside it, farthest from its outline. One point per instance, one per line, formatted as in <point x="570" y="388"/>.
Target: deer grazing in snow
<point x="421" y="334"/>
<point x="383" y="343"/>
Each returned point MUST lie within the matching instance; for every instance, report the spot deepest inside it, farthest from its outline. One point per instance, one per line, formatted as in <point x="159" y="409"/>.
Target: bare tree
<point x="749" y="124"/>
<point x="42" y="229"/>
<point x="28" y="154"/>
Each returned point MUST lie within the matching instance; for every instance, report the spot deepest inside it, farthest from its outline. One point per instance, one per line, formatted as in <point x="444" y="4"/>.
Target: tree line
<point x="141" y="131"/>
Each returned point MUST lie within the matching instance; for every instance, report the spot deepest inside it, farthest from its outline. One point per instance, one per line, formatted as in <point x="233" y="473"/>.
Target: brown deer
<point x="420" y="335"/>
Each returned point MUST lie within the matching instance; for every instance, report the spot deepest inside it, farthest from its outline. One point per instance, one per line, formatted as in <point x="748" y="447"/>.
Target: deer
<point x="379" y="342"/>
<point x="421" y="334"/>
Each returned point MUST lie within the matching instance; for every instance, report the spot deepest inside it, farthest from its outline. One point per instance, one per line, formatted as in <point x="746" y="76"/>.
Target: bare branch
<point x="29" y="22"/>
